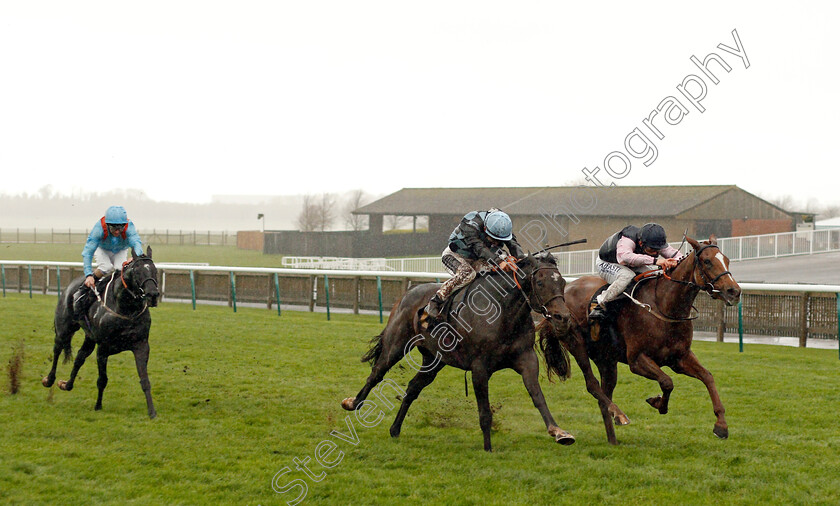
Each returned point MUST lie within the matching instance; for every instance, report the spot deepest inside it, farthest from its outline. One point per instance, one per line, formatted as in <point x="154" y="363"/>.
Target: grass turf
<point x="241" y="395"/>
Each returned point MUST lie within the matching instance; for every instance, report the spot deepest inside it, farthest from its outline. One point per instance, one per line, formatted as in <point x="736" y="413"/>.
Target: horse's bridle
<point x="709" y="286"/>
<point x="542" y="309"/>
<point x="140" y="287"/>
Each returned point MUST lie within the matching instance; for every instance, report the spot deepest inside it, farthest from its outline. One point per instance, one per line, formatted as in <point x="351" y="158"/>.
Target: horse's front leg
<point x="424" y="377"/>
<point x="690" y="366"/>
<point x="608" y="409"/>
<point x="481" y="380"/>
<point x="529" y="367"/>
<point x="102" y="381"/>
<point x="608" y="371"/>
<point x="49" y="379"/>
<point x="645" y="366"/>
<point x="141" y="359"/>
<point x="84" y="352"/>
<point x="394" y="343"/>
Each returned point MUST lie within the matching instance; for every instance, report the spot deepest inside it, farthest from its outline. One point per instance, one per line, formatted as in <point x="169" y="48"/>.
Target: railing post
<point x="357" y="281"/>
<point x="29" y="269"/>
<point x="277" y="291"/>
<point x="232" y="289"/>
<point x="3" y="276"/>
<point x="741" y="325"/>
<point x="192" y="287"/>
<point x="838" y="324"/>
<point x="803" y="320"/>
<point x="313" y="292"/>
<point x="327" y="294"/>
<point x="379" y="290"/>
<point x="721" y="329"/>
<point x="58" y="281"/>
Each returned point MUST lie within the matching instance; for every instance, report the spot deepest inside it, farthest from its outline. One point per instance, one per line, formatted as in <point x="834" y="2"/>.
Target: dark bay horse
<point x="489" y="328"/>
<point x="118" y="321"/>
<point x="654" y="333"/>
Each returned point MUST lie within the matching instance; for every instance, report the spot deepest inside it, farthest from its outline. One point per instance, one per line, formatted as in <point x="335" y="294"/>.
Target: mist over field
<point x="49" y="209"/>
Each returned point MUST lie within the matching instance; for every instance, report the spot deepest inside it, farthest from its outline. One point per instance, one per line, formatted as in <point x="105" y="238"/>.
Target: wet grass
<point x="213" y="255"/>
<point x="241" y="395"/>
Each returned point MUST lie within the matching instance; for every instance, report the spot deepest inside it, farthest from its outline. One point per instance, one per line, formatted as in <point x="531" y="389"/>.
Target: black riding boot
<point x="433" y="307"/>
<point x="598" y="312"/>
<point x="82" y="300"/>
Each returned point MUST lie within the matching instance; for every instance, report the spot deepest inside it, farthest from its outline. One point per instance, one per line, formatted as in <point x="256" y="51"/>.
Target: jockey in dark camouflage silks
<point x="628" y="252"/>
<point x="475" y="244"/>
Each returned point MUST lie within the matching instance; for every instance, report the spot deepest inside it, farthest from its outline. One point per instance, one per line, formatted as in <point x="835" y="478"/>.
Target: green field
<point x="213" y="255"/>
<point x="240" y="395"/>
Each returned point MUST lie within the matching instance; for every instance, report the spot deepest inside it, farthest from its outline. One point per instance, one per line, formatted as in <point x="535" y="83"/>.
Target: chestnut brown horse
<point x="654" y="331"/>
<point x="490" y="329"/>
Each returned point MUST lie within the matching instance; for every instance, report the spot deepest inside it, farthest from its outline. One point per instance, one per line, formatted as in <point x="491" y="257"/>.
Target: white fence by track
<point x="578" y="263"/>
<point x="810" y="311"/>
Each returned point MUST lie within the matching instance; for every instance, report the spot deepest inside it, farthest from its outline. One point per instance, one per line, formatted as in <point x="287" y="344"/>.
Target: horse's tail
<point x="67" y="347"/>
<point x="68" y="352"/>
<point x="375" y="349"/>
<point x="376" y="343"/>
<point x="554" y="351"/>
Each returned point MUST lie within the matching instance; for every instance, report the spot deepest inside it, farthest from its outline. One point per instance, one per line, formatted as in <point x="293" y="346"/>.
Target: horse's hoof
<point x="565" y="440"/>
<point x="63" y="385"/>
<point x="394" y="431"/>
<point x="621" y="419"/>
<point x="561" y="436"/>
<point x="98" y="407"/>
<point x="152" y="415"/>
<point x="656" y="402"/>
<point x="721" y="432"/>
<point x="47" y="382"/>
<point x="348" y="403"/>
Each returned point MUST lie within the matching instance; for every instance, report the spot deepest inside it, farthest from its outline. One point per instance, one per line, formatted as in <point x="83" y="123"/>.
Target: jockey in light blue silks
<point x="107" y="245"/>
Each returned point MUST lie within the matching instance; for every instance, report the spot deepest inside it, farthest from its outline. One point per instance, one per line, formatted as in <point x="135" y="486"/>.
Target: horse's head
<point x="544" y="287"/>
<point x="711" y="271"/>
<point x="140" y="277"/>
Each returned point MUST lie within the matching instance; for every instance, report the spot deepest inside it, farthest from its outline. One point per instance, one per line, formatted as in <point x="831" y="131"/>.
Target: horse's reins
<point x="541" y="309"/>
<point x="709" y="288"/>
<point x="104" y="296"/>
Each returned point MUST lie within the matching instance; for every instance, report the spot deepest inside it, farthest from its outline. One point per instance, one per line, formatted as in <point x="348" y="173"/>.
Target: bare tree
<point x="317" y="213"/>
<point x="786" y="202"/>
<point x="830" y="211"/>
<point x="395" y="222"/>
<point x="307" y="220"/>
<point x="326" y="211"/>
<point x="356" y="200"/>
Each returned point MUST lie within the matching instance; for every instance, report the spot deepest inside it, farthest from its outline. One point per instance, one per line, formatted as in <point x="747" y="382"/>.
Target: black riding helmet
<point x="652" y="236"/>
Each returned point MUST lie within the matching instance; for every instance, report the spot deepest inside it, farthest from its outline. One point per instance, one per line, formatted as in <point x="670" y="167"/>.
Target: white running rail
<point x="577" y="263"/>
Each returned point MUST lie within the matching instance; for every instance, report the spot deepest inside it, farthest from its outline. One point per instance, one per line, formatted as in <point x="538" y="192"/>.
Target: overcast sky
<point x="185" y="100"/>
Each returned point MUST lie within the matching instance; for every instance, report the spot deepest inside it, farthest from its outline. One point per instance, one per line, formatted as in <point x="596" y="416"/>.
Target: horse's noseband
<point x="541" y="305"/>
<point x="140" y="288"/>
<point x="709" y="285"/>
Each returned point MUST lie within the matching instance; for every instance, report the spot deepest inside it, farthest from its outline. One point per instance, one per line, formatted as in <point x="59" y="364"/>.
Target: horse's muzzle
<point x="731" y="296"/>
<point x="151" y="298"/>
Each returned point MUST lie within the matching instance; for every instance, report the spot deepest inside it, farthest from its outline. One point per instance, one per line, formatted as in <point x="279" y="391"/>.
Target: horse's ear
<point x="149" y="251"/>
<point x="694" y="244"/>
<point x="713" y="239"/>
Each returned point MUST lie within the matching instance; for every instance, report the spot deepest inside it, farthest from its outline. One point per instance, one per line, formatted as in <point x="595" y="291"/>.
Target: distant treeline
<point x="47" y="210"/>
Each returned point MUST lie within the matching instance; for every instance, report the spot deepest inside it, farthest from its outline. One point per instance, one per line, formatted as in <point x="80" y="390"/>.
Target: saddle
<point x="422" y="322"/>
<point x="613" y="308"/>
